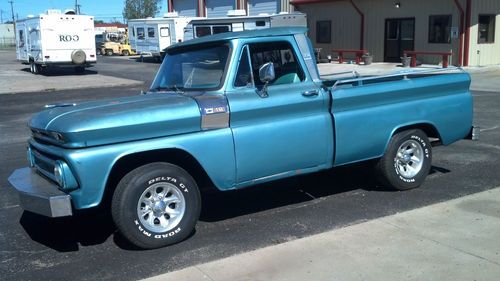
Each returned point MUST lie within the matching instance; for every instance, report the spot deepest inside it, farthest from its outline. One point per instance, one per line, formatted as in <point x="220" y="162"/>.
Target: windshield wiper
<point x="174" y="88"/>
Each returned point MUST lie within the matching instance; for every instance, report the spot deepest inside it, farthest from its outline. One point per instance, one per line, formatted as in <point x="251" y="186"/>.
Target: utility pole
<point x="77" y="7"/>
<point x="1" y="16"/>
<point x="12" y="10"/>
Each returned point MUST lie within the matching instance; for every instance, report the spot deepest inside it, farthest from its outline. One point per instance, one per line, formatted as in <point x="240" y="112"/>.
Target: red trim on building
<point x="117" y="25"/>
<point x="461" y="40"/>
<point x="170" y="6"/>
<point x="302" y="2"/>
<point x="467" y="32"/>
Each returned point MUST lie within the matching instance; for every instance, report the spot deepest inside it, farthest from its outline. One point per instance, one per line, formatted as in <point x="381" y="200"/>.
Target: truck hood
<point x="117" y="120"/>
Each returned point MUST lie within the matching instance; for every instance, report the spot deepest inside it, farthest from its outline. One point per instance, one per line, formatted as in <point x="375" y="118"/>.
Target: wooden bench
<point x="413" y="55"/>
<point x="357" y="53"/>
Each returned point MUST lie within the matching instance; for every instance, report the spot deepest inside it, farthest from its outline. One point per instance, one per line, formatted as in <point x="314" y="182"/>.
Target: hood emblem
<point x="65" y="104"/>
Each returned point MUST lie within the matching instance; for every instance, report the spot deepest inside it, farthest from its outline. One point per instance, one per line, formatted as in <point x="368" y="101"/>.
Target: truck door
<point x="286" y="131"/>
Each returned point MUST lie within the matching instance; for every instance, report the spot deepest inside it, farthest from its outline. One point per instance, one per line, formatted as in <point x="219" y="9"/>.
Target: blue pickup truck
<point x="233" y="110"/>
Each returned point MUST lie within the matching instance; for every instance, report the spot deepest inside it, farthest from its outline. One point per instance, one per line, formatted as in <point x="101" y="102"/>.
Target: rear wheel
<point x="407" y="161"/>
<point x="109" y="52"/>
<point x="156" y="205"/>
<point x="35" y="68"/>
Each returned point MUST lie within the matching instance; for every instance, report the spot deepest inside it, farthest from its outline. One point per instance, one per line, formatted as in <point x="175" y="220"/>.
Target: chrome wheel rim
<point x="409" y="159"/>
<point x="161" y="207"/>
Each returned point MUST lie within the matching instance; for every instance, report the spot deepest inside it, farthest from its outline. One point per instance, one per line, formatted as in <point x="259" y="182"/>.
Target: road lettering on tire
<point x="156" y="236"/>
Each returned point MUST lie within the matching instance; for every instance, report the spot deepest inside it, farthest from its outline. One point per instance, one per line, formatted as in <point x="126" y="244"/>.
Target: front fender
<point x="212" y="149"/>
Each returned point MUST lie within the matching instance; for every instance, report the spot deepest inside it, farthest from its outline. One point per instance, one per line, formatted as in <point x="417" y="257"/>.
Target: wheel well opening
<point x="431" y="132"/>
<point x="173" y="156"/>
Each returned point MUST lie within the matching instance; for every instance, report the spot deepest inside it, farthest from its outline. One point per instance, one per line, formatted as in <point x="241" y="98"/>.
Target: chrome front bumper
<point x="38" y="195"/>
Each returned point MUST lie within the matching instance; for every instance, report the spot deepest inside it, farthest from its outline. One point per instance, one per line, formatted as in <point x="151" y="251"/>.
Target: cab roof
<point x="265" y="32"/>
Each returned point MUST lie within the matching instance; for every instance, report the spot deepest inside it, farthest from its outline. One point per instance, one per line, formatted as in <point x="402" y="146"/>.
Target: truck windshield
<point x="192" y="69"/>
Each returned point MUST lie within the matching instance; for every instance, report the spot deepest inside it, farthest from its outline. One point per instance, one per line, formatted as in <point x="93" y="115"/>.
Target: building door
<point x="399" y="37"/>
<point x="185" y="8"/>
<point x="256" y="7"/>
<point x="218" y="8"/>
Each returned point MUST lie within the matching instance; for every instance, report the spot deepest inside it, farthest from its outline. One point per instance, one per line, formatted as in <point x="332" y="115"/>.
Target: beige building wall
<point x="346" y="26"/>
<point x="485" y="53"/>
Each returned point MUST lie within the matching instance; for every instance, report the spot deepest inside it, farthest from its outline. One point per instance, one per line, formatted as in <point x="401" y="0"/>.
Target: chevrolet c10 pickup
<point x="233" y="110"/>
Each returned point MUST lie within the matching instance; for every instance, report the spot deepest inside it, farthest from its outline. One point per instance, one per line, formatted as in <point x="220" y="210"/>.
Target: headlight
<point x="57" y="136"/>
<point x="63" y="175"/>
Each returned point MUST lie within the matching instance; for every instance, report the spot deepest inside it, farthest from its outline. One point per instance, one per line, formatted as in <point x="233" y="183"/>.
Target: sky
<point x="106" y="10"/>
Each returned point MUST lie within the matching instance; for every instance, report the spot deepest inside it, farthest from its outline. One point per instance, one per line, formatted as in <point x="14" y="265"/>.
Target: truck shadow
<point x="61" y="71"/>
<point x="94" y="227"/>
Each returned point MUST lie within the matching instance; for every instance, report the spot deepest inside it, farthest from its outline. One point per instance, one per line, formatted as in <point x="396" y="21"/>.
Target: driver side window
<point x="286" y="65"/>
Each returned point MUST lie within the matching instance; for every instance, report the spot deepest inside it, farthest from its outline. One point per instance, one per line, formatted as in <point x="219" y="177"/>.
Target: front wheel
<point x="407" y="161"/>
<point x="156" y="205"/>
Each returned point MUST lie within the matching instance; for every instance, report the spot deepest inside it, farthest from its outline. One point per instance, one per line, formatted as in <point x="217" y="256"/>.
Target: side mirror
<point x="266" y="72"/>
<point x="266" y="75"/>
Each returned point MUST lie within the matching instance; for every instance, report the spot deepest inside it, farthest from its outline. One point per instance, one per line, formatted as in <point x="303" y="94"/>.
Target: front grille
<point x="44" y="163"/>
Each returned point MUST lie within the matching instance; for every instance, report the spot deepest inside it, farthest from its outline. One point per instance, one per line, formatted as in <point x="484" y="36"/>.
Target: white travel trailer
<point x="56" y="38"/>
<point x="237" y="21"/>
<point x="150" y="36"/>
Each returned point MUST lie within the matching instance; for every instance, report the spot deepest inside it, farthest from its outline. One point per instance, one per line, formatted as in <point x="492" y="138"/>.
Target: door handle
<point x="311" y="93"/>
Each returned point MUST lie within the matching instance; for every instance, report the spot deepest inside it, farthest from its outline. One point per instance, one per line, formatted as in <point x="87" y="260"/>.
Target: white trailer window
<point x="205" y="30"/>
<point x="151" y="32"/>
<point x="220" y="29"/>
<point x="201" y="31"/>
<point x="164" y="31"/>
<point x="21" y="38"/>
<point x="140" y="33"/>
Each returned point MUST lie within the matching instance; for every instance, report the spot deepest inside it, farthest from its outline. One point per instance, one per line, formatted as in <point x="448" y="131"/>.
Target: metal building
<point x="219" y="8"/>
<point x="385" y="28"/>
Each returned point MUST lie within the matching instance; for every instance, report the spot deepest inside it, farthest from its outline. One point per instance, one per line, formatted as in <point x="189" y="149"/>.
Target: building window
<point x="486" y="29"/>
<point x="323" y="31"/>
<point x="439" y="29"/>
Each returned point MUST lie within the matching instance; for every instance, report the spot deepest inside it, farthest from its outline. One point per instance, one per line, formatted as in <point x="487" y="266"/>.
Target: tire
<point x="125" y="53"/>
<point x="109" y="52"/>
<point x="152" y="195"/>
<point x="35" y="68"/>
<point x="407" y="160"/>
<point x="98" y="52"/>
<point x="78" y="57"/>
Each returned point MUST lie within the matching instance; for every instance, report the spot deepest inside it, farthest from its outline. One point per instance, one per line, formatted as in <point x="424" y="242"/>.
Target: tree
<point x="138" y="9"/>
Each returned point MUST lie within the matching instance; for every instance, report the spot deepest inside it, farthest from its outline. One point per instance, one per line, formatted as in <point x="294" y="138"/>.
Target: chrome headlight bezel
<point x="63" y="175"/>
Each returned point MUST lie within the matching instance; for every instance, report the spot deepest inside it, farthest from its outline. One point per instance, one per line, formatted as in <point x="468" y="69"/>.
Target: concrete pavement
<point x="453" y="240"/>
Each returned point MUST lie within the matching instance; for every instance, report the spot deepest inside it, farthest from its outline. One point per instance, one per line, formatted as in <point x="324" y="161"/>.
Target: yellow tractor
<point x="115" y="44"/>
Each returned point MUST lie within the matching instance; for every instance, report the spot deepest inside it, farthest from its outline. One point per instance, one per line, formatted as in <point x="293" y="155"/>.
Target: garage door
<point x="186" y="8"/>
<point x="256" y="7"/>
<point x="218" y="8"/>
